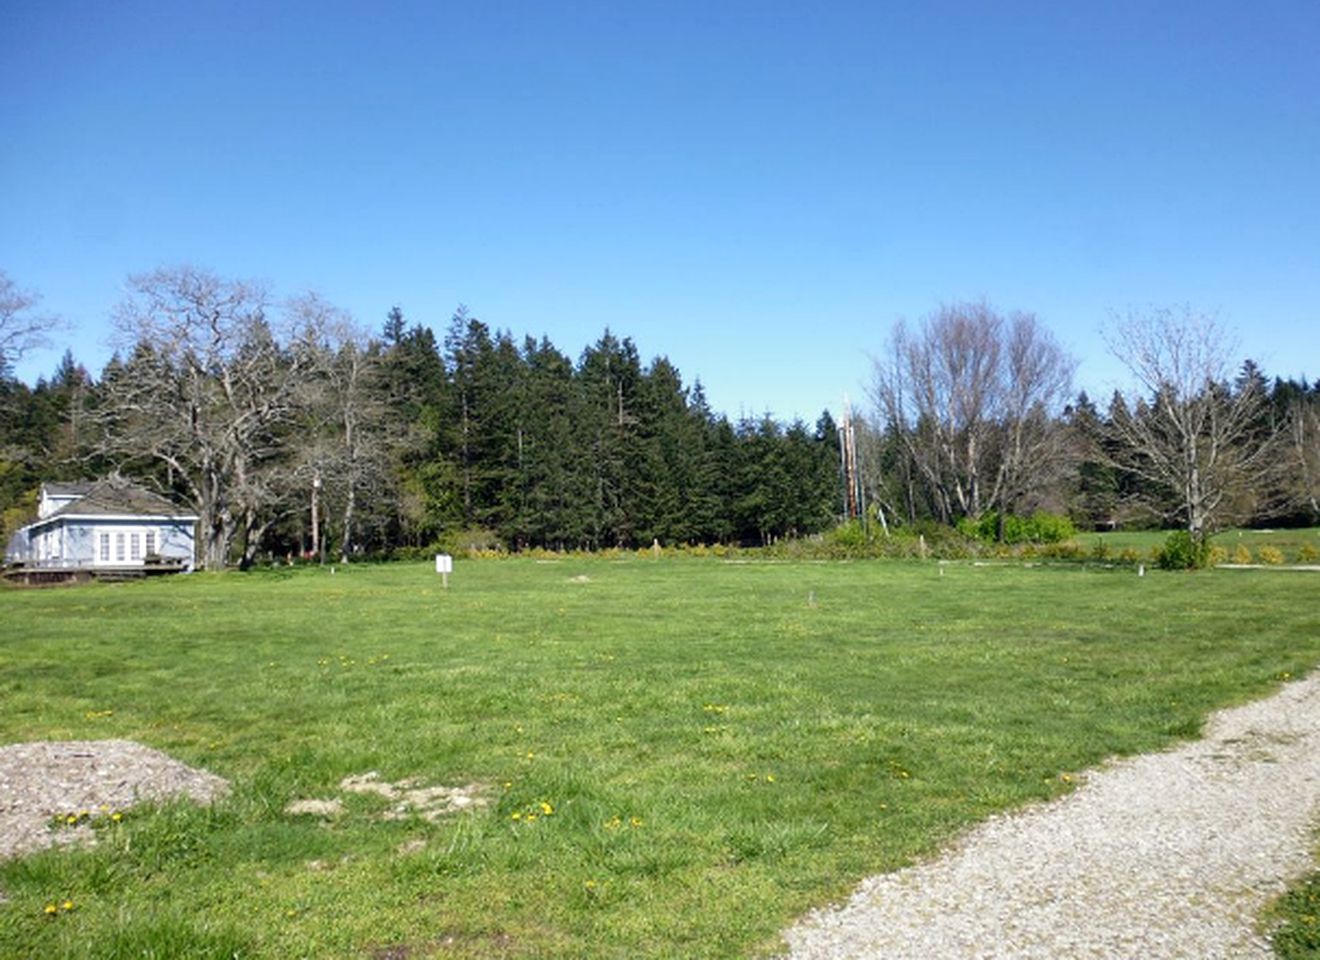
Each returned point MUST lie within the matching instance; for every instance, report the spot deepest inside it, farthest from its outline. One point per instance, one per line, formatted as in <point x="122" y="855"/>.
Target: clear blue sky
<point x="757" y="190"/>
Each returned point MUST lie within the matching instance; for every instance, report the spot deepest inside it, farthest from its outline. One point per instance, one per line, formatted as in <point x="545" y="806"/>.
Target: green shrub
<point x="469" y="541"/>
<point x="1040" y="527"/>
<point x="1183" y="552"/>
<point x="850" y="535"/>
<point x="1242" y="554"/>
<point x="1308" y="554"/>
<point x="1051" y="527"/>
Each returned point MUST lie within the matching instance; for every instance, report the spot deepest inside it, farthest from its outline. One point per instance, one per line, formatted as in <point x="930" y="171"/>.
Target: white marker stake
<point x="444" y="565"/>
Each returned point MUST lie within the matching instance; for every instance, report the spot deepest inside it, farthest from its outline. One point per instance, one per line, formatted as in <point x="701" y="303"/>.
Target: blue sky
<point x="756" y="190"/>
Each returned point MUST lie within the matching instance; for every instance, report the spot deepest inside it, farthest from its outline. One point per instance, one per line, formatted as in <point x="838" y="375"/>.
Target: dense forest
<point x="292" y="432"/>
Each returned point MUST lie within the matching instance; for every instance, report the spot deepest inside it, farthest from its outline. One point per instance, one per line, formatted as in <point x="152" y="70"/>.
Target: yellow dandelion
<point x="116" y="816"/>
<point x="517" y="815"/>
<point x="769" y="778"/>
<point x="51" y="910"/>
<point x="71" y="818"/>
<point x="67" y="905"/>
<point x="546" y="808"/>
<point x="590" y="884"/>
<point x="636" y="821"/>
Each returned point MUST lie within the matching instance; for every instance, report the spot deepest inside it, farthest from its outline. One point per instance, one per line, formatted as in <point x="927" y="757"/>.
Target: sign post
<point x="444" y="565"/>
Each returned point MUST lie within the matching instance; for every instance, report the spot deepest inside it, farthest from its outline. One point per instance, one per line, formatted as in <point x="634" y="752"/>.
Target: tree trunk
<point x="350" y="504"/>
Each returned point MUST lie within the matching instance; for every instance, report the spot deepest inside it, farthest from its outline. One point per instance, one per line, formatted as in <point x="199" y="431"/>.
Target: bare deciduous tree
<point x="21" y="329"/>
<point x="972" y="395"/>
<point x="205" y="392"/>
<point x="342" y="452"/>
<point x="1191" y="433"/>
<point x="1303" y="436"/>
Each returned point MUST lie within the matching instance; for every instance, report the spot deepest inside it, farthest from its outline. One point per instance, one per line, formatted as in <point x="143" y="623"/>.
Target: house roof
<point x="116" y="497"/>
<point x="78" y="488"/>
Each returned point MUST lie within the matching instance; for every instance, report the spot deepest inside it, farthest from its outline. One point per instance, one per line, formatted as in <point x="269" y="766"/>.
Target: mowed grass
<point x="1291" y="542"/>
<point x="723" y="745"/>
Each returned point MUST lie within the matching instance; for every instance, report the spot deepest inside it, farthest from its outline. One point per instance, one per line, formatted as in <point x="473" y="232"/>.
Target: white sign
<point x="444" y="563"/>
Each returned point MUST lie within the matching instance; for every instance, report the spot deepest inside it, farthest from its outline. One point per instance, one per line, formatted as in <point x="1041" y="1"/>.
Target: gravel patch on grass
<point x="42" y="780"/>
<point x="1168" y="855"/>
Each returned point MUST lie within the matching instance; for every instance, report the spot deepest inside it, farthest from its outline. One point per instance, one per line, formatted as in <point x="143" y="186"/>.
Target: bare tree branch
<point x="1192" y="434"/>
<point x="972" y="397"/>
<point x="21" y="329"/>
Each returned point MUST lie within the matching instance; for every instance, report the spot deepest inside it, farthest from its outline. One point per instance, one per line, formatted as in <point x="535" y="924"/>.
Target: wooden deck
<point x="61" y="576"/>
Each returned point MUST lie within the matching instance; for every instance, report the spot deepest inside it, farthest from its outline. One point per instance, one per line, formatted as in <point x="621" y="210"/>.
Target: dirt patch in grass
<point x="81" y="779"/>
<point x="410" y="797"/>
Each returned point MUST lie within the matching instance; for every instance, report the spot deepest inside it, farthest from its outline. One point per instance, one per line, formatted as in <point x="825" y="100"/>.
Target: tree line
<point x="292" y="431"/>
<point x="975" y="415"/>
<point x="289" y="430"/>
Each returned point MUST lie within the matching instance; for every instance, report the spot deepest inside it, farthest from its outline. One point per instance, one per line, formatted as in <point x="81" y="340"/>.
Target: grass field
<point x="1293" y="544"/>
<point x="681" y="756"/>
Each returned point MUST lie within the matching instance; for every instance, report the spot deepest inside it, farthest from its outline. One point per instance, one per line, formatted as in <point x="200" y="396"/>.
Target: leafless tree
<point x="1191" y="433"/>
<point x="1303" y="437"/>
<point x="1038" y="382"/>
<point x="205" y="392"/>
<point x="21" y="329"/>
<point x="341" y="454"/>
<point x="971" y="395"/>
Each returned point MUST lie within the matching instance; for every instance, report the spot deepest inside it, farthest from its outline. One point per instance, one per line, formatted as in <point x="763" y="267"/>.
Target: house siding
<point x="74" y="540"/>
<point x="67" y="542"/>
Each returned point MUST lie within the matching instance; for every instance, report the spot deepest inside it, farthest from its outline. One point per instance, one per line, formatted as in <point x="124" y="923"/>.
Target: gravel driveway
<point x="1168" y="855"/>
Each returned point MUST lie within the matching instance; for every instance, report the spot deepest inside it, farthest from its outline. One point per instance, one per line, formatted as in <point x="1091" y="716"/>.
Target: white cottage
<point x="110" y="524"/>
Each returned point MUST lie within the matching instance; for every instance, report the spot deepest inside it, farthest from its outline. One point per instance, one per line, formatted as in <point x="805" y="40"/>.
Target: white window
<point x="135" y="546"/>
<point x="150" y="537"/>
<point x="105" y="548"/>
<point x="119" y="548"/>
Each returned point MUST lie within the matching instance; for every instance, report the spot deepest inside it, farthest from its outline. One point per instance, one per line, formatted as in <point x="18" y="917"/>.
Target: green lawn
<point x="1290" y="542"/>
<point x="722" y="745"/>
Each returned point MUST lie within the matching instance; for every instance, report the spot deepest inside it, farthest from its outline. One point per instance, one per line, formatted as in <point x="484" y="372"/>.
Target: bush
<point x="1040" y="527"/>
<point x="1271" y="555"/>
<point x="1183" y="552"/>
<point x="1308" y="554"/>
<point x="849" y="536"/>
<point x="1241" y="554"/>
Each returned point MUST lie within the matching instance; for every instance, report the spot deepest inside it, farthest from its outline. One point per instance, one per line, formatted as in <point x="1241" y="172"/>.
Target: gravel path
<point x="1168" y="855"/>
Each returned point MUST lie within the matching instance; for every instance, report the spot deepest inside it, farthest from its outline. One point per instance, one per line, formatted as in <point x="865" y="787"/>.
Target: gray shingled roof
<point x="116" y="497"/>
<point x="79" y="488"/>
